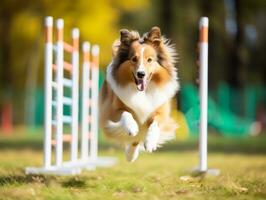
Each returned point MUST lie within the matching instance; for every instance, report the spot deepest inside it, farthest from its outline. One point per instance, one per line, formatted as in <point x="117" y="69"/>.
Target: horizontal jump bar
<point x="54" y="84"/>
<point x="66" y="120"/>
<point x="67" y="47"/>
<point x="67" y="82"/>
<point x="67" y="66"/>
<point x="66" y="101"/>
<point x="68" y="138"/>
<point x="54" y="123"/>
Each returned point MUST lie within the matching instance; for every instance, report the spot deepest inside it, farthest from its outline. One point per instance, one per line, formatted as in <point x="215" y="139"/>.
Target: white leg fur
<point x="126" y="125"/>
<point x="132" y="152"/>
<point x="152" y="138"/>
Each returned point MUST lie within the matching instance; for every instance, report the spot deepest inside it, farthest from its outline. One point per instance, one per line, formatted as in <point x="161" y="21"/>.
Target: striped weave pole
<point x="94" y="102"/>
<point x="203" y="63"/>
<point x="59" y="91"/>
<point x="48" y="57"/>
<point x="85" y="99"/>
<point x="75" y="94"/>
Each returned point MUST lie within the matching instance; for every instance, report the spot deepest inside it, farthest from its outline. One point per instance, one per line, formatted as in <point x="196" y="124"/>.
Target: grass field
<point x="153" y="176"/>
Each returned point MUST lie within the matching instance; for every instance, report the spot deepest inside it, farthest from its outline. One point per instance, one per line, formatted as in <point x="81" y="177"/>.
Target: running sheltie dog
<point x="135" y="98"/>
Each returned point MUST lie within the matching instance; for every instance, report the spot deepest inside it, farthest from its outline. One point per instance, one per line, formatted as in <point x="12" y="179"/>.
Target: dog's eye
<point x="149" y="60"/>
<point x="134" y="59"/>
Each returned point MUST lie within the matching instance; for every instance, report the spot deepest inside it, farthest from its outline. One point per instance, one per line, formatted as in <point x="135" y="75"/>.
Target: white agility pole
<point x="85" y="102"/>
<point x="89" y="122"/>
<point x="75" y="95"/>
<point x="94" y="101"/>
<point x="48" y="58"/>
<point x="59" y="92"/>
<point x="90" y="94"/>
<point x="203" y="78"/>
<point x="203" y="62"/>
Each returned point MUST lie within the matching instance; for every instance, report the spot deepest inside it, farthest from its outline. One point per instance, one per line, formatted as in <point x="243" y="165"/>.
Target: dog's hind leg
<point x="132" y="152"/>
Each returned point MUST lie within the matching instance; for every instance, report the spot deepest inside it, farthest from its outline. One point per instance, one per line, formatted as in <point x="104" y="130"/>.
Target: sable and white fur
<point x="135" y="98"/>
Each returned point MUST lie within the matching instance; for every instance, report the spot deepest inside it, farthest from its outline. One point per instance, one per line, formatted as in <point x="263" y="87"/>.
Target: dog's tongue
<point x="141" y="85"/>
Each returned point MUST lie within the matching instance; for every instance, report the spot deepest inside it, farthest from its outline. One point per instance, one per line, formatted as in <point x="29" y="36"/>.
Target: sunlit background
<point x="237" y="63"/>
<point x="236" y="110"/>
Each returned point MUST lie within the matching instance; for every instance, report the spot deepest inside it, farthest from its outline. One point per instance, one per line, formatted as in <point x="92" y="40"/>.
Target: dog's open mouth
<point x="140" y="83"/>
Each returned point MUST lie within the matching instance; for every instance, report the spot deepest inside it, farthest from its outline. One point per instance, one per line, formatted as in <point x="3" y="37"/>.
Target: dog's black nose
<point x="140" y="74"/>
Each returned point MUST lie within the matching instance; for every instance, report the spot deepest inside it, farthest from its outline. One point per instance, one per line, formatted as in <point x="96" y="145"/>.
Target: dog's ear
<point x="115" y="47"/>
<point x="154" y="36"/>
<point x="127" y="37"/>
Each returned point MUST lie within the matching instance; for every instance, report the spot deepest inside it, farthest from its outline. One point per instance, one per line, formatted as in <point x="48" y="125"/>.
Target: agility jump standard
<point x="86" y="156"/>
<point x="203" y="64"/>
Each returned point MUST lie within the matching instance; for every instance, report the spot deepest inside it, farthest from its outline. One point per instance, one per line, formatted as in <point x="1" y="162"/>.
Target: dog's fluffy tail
<point x="168" y="131"/>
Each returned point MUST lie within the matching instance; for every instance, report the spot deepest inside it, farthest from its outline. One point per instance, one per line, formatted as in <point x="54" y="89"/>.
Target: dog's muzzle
<point x="140" y="80"/>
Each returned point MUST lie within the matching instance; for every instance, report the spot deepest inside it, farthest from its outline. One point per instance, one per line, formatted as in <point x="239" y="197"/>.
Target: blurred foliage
<point x="237" y="58"/>
<point x="22" y="29"/>
<point x="179" y="21"/>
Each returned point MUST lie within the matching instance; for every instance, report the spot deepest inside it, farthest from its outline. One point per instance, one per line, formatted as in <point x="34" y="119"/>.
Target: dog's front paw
<point x="129" y="124"/>
<point x="152" y="138"/>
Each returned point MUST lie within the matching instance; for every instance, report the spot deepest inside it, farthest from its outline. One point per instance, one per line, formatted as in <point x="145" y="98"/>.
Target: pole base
<point x="62" y="171"/>
<point x="103" y="161"/>
<point x="72" y="168"/>
<point x="208" y="172"/>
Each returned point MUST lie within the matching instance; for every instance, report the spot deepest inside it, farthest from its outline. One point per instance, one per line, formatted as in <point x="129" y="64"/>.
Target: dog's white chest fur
<point x="143" y="103"/>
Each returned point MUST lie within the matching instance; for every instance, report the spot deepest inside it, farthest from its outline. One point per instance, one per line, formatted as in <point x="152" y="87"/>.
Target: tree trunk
<point x="5" y="72"/>
<point x="166" y="17"/>
<point x="5" y="81"/>
<point x="236" y="63"/>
